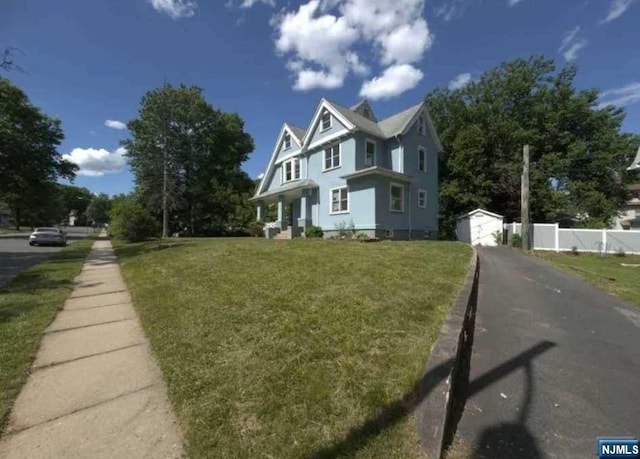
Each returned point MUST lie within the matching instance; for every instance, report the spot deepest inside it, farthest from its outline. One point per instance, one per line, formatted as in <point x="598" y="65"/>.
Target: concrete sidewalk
<point x="94" y="389"/>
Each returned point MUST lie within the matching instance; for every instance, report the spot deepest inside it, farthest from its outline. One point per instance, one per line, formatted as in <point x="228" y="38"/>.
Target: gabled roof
<point x="397" y="123"/>
<point x="359" y="121"/>
<point x="297" y="131"/>
<point x="481" y="211"/>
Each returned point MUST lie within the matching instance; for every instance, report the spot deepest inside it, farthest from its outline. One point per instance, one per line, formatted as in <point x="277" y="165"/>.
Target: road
<point x="16" y="255"/>
<point x="555" y="363"/>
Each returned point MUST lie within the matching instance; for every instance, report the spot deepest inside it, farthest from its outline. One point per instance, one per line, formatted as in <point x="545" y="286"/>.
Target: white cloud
<point x="326" y="41"/>
<point x="571" y="45"/>
<point x="176" y="9"/>
<point x="617" y="9"/>
<point x="460" y="81"/>
<point x="115" y="124"/>
<point x="250" y="3"/>
<point x="394" y="81"/>
<point x="95" y="162"/>
<point x="514" y="2"/>
<point x="625" y="95"/>
<point x="449" y="9"/>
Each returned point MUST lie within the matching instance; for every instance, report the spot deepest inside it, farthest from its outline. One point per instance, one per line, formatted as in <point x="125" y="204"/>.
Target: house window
<point x="326" y="120"/>
<point x="422" y="127"/>
<point x="370" y="153"/>
<point x="332" y="157"/>
<point x="287" y="140"/>
<point x="291" y="170"/>
<point x="422" y="198"/>
<point x="396" y="198"/>
<point x="339" y="200"/>
<point x="422" y="159"/>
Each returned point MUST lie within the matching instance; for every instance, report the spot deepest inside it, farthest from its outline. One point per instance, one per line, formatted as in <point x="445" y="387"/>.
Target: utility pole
<point x="524" y="200"/>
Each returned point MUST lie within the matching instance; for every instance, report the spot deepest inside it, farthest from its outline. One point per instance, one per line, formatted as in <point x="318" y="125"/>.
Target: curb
<point x="440" y="410"/>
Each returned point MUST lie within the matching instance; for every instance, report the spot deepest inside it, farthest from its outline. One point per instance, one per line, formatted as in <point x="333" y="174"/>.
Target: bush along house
<point x="349" y="169"/>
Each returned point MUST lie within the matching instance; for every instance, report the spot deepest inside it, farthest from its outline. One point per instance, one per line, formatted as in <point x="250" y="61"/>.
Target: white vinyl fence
<point x="549" y="236"/>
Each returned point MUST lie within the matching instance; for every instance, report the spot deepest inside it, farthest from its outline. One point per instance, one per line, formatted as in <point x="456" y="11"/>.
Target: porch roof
<point x="376" y="170"/>
<point x="290" y="190"/>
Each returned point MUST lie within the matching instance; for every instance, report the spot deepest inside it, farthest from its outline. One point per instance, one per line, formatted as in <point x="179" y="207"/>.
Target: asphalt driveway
<point x="555" y="363"/>
<point x="16" y="255"/>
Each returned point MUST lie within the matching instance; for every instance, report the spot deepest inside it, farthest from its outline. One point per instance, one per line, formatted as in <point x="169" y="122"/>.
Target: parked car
<point x="48" y="236"/>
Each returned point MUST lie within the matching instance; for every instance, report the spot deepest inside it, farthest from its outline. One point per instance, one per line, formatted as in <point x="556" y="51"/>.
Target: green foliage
<point x="74" y="200"/>
<point x="361" y="236"/>
<point x="620" y="253"/>
<point x="497" y="237"/>
<point x="97" y="212"/>
<point x="516" y="241"/>
<point x="578" y="154"/>
<point x="256" y="229"/>
<point x="132" y="222"/>
<point x="346" y="230"/>
<point x="313" y="231"/>
<point x="30" y="164"/>
<point x="201" y="149"/>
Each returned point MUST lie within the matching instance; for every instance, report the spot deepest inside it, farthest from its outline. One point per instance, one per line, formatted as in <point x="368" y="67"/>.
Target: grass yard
<point x="299" y="348"/>
<point x="27" y="305"/>
<point x="606" y="272"/>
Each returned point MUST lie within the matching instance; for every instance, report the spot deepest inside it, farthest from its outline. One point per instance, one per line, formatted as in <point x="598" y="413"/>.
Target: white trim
<point x="284" y="140"/>
<point x="324" y="104"/>
<point x="420" y="150"/>
<point x="327" y="139"/>
<point x="368" y="141"/>
<point x="324" y="158"/>
<point x="274" y="155"/>
<point x="398" y="185"/>
<point x="289" y="156"/>
<point x="331" y="190"/>
<point x="292" y="161"/>
<point x="425" y="198"/>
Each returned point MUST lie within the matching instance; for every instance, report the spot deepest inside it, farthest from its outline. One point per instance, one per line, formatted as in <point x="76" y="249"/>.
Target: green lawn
<point x="293" y="348"/>
<point x="606" y="272"/>
<point x="27" y="305"/>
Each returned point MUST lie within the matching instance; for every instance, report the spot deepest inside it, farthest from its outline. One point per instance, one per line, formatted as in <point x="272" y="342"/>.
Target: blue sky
<point x="90" y="62"/>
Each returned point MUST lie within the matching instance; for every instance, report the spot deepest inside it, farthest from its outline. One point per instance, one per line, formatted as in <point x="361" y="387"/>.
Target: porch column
<point x="303" y="221"/>
<point x="260" y="211"/>
<point x="281" y="223"/>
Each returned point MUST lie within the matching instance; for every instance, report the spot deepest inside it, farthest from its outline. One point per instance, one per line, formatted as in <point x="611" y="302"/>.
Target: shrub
<point x="516" y="241"/>
<point x="313" y="231"/>
<point x="620" y="253"/>
<point x="361" y="236"/>
<point x="574" y="251"/>
<point x="346" y="230"/>
<point x="132" y="222"/>
<point x="256" y="229"/>
<point x="497" y="236"/>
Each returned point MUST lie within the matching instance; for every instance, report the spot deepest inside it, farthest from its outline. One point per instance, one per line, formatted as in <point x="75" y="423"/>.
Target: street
<point x="16" y="255"/>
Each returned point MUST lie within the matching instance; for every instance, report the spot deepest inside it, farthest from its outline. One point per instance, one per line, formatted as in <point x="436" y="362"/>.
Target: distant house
<point x="348" y="168"/>
<point x="629" y="219"/>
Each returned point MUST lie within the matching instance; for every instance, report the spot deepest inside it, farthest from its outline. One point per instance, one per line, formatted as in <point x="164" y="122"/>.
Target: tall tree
<point x="29" y="161"/>
<point x="74" y="200"/>
<point x="186" y="159"/>
<point x="578" y="154"/>
<point x="98" y="210"/>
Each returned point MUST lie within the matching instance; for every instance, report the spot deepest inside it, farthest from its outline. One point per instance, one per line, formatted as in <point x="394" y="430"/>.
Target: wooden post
<point x="524" y="203"/>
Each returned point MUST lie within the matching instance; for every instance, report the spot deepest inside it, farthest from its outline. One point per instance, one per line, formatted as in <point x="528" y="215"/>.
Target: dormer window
<point x="326" y="120"/>
<point x="422" y="127"/>
<point x="287" y="140"/>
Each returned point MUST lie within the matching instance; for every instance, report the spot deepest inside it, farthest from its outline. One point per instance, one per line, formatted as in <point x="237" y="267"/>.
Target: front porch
<point x="294" y="205"/>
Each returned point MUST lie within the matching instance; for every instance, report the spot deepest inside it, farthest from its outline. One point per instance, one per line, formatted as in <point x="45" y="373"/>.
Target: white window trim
<point x="420" y="150"/>
<point x="391" y="209"/>
<point x="423" y="131"/>
<point x="293" y="170"/>
<point x="375" y="152"/>
<point x="284" y="141"/>
<point x="331" y="190"/>
<point x="322" y="128"/>
<point x="324" y="157"/>
<point x="425" y="198"/>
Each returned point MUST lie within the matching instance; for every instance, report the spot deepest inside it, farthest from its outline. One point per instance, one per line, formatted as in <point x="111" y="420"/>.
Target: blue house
<point x="348" y="168"/>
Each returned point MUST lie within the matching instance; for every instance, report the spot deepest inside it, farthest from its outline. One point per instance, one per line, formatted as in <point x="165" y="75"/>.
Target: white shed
<point x="479" y="227"/>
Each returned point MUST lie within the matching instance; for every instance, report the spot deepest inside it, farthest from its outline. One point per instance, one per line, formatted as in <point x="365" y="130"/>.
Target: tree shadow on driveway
<point x="392" y="413"/>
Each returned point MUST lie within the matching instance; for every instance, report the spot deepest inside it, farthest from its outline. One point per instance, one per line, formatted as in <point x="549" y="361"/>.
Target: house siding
<point x="319" y="134"/>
